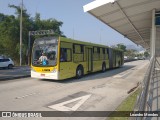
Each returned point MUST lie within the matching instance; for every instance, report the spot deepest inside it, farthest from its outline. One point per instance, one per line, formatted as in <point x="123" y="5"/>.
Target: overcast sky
<point x="76" y="24"/>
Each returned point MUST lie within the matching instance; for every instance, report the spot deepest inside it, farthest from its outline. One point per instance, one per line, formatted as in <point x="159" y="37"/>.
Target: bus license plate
<point x="42" y="74"/>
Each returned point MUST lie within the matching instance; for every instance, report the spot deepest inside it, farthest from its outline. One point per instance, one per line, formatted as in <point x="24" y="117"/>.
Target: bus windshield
<point x="44" y="54"/>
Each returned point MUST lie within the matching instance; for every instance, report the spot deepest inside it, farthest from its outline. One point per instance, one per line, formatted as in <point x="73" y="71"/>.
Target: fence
<point x="149" y="99"/>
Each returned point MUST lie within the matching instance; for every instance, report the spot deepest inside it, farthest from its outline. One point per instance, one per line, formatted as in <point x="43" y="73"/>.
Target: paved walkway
<point x="16" y="72"/>
<point x="156" y="89"/>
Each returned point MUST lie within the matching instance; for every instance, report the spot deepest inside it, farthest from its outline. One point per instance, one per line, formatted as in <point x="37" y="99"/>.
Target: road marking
<point x="26" y="95"/>
<point x="121" y="74"/>
<point x="61" y="107"/>
<point x="157" y="69"/>
<point x="141" y="67"/>
<point x="129" y="71"/>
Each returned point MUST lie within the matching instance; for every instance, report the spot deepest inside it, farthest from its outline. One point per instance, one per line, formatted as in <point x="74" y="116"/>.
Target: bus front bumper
<point x="51" y="75"/>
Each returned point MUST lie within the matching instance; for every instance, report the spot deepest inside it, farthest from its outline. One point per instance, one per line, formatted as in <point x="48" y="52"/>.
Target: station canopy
<point x="131" y="18"/>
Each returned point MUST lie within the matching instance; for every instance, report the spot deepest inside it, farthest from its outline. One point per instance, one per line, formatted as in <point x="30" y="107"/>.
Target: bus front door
<point x="89" y="59"/>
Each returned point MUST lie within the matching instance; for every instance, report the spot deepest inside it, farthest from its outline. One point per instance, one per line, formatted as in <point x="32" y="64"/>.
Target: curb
<point x="12" y="78"/>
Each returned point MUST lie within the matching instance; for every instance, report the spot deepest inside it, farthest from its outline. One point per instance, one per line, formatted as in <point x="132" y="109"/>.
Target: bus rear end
<point x="45" y="58"/>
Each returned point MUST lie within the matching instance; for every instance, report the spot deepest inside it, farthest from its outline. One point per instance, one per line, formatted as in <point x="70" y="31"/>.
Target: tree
<point x="27" y="25"/>
<point x="130" y="53"/>
<point x="10" y="27"/>
<point x="146" y="54"/>
<point x="121" y="47"/>
<point x="8" y="35"/>
<point x="48" y="24"/>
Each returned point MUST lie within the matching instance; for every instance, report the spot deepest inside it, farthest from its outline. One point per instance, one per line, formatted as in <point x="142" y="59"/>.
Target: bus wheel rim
<point x="79" y="72"/>
<point x="104" y="68"/>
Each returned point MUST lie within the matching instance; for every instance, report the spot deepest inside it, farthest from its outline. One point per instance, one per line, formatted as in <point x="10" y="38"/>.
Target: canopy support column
<point x="153" y="34"/>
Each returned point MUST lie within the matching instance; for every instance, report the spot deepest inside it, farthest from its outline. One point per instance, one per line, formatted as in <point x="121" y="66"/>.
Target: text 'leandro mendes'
<point x="143" y="114"/>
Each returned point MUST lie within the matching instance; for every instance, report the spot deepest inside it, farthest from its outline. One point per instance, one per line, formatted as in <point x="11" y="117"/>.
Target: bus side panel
<point x="118" y="58"/>
<point x="122" y="58"/>
<point x="68" y="68"/>
<point x="97" y="65"/>
<point x="110" y="58"/>
<point x="66" y="65"/>
<point x="65" y="70"/>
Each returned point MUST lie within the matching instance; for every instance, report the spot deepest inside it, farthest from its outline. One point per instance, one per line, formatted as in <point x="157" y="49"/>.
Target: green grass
<point x="126" y="105"/>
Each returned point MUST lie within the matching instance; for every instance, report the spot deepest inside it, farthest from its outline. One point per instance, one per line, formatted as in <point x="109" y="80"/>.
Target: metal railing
<point x="145" y="99"/>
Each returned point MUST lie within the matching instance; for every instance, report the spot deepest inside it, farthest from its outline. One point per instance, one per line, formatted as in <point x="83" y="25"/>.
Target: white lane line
<point x="129" y="71"/>
<point x="157" y="69"/>
<point x="121" y="74"/>
<point x="141" y="67"/>
<point x="26" y="95"/>
<point x="61" y="107"/>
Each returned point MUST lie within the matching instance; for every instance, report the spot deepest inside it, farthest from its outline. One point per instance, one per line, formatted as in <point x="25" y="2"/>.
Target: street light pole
<point x="29" y="48"/>
<point x="21" y="34"/>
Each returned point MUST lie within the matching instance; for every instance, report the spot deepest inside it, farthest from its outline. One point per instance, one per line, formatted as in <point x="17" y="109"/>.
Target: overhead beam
<point x="153" y="34"/>
<point x="140" y="30"/>
<point x="127" y="18"/>
<point x="125" y="8"/>
<point x="132" y="16"/>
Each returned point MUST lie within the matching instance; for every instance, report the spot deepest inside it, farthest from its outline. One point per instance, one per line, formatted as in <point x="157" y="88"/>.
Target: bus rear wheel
<point x="79" y="72"/>
<point x="103" y="67"/>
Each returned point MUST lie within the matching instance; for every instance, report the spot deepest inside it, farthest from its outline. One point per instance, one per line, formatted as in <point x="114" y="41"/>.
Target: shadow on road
<point x="93" y="76"/>
<point x="14" y="73"/>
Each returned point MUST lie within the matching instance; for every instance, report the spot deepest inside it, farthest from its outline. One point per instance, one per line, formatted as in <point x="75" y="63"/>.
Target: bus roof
<point x="80" y="42"/>
<point x="86" y="43"/>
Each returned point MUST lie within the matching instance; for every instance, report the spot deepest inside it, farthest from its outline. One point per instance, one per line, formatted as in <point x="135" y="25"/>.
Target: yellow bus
<point x="60" y="58"/>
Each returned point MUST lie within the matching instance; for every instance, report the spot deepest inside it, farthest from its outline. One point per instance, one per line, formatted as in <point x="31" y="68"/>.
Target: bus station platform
<point x="156" y="87"/>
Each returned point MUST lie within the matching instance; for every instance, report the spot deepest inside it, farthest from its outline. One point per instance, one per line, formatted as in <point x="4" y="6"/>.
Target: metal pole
<point x="29" y="43"/>
<point x="153" y="39"/>
<point x="21" y="34"/>
<point x="73" y="32"/>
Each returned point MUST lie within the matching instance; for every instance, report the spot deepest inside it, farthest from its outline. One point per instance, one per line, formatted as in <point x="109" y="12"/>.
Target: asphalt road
<point x="96" y="92"/>
<point x="14" y="73"/>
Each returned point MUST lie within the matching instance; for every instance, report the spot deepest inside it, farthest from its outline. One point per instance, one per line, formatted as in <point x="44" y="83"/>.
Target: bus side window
<point x="69" y="55"/>
<point x="108" y="52"/>
<point x="98" y="50"/>
<point x="104" y="55"/>
<point x="82" y="49"/>
<point x="77" y="48"/>
<point x="66" y="55"/>
<point x="103" y="49"/>
<point x="63" y="55"/>
<point x="73" y="48"/>
<point x="95" y="49"/>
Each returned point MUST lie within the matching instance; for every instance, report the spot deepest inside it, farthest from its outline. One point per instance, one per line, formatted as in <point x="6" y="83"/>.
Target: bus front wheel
<point x="79" y="72"/>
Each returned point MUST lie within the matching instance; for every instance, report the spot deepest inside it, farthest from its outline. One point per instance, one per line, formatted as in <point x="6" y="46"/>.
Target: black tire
<point x="79" y="72"/>
<point x="10" y="66"/>
<point x="103" y="67"/>
<point x="119" y="63"/>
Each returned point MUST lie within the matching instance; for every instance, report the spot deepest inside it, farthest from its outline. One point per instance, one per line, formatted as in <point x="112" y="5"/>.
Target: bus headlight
<point x="32" y="69"/>
<point x="54" y="70"/>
